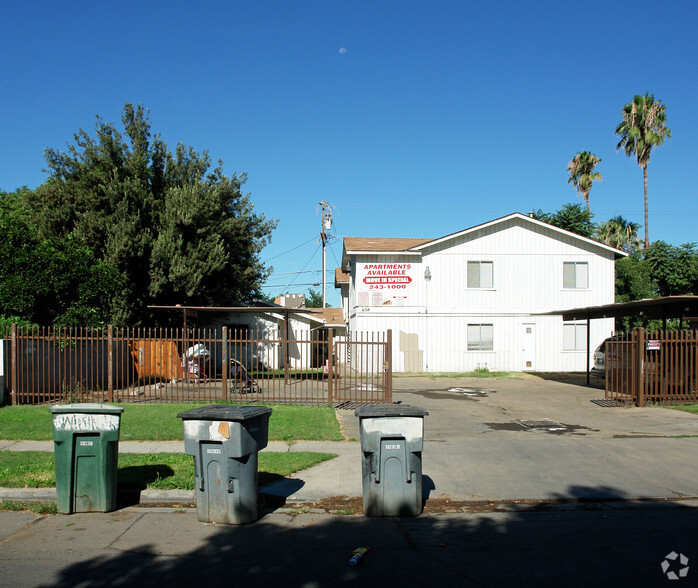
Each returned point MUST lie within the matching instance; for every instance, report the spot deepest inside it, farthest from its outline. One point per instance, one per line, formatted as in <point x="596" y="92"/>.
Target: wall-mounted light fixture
<point x="427" y="274"/>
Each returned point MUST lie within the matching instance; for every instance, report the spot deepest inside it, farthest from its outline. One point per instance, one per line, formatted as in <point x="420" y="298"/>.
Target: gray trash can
<point x="86" y="448"/>
<point x="224" y="441"/>
<point x="392" y="437"/>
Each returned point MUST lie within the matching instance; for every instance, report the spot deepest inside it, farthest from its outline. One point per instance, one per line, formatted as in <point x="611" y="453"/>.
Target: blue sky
<point x="411" y="118"/>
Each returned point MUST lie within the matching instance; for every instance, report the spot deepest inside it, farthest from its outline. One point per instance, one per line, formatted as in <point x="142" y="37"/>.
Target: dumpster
<point x="391" y="459"/>
<point x="86" y="447"/>
<point x="224" y="441"/>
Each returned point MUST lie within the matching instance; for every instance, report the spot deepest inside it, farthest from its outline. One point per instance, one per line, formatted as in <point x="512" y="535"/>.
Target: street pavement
<point x="547" y="483"/>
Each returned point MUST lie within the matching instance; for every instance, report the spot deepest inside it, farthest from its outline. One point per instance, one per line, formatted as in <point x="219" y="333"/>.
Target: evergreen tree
<point x="49" y="281"/>
<point x="176" y="231"/>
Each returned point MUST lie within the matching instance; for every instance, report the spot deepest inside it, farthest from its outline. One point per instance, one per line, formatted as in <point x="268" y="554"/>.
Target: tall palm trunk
<point x="647" y="206"/>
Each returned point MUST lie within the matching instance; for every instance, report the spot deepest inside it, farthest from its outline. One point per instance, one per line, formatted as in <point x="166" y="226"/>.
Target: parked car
<point x="600" y="358"/>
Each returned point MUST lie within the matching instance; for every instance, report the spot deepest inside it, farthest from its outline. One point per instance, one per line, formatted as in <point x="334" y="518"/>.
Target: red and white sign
<point x="388" y="283"/>
<point x="387" y="280"/>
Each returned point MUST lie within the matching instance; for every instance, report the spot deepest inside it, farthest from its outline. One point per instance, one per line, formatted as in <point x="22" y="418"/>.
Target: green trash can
<point x="86" y="446"/>
<point x="392" y="437"/>
<point x="224" y="441"/>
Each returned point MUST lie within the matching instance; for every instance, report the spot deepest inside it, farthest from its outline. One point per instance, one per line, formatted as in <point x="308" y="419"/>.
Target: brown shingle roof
<point x="381" y="244"/>
<point x="332" y="316"/>
<point x="340" y="277"/>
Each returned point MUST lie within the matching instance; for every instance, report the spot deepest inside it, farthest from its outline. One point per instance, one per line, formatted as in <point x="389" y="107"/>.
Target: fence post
<point x="330" y="366"/>
<point x="110" y="363"/>
<point x="640" y="366"/>
<point x="388" y="367"/>
<point x="224" y="360"/>
<point x="13" y="370"/>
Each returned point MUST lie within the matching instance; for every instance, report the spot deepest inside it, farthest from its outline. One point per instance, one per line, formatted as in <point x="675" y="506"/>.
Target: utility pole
<point x="326" y="226"/>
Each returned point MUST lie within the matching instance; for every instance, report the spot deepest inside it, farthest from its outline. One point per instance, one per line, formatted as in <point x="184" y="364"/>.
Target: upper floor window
<point x="480" y="274"/>
<point x="575" y="274"/>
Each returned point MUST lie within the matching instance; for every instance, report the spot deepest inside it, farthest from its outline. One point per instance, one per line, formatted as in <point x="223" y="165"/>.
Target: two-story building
<point x="476" y="298"/>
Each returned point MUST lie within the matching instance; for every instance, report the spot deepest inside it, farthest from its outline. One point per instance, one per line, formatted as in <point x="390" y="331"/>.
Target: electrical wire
<point x="289" y="251"/>
<point x="306" y="265"/>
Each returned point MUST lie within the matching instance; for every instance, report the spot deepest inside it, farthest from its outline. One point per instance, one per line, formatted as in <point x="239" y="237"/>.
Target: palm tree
<point x="643" y="128"/>
<point x="582" y="174"/>
<point x="619" y="233"/>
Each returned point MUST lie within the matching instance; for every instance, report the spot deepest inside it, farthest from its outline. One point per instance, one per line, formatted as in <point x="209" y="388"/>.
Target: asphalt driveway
<point x="536" y="438"/>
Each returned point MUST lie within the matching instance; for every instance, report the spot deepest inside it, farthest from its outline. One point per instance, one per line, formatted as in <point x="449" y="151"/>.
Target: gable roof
<point x="526" y="219"/>
<point x="408" y="246"/>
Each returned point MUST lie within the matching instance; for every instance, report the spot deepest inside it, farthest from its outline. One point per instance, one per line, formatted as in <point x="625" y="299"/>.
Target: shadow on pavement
<point x="621" y="543"/>
<point x="575" y="378"/>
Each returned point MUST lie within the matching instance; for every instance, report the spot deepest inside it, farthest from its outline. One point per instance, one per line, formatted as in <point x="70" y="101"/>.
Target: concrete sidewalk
<point x="542" y="484"/>
<point x="607" y="545"/>
<point x="476" y="447"/>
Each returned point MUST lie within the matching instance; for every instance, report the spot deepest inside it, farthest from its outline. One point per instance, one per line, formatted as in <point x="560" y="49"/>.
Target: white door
<point x="529" y="347"/>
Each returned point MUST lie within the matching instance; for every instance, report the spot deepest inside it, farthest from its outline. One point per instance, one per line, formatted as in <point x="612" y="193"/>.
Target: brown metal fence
<point x="647" y="368"/>
<point x="51" y="365"/>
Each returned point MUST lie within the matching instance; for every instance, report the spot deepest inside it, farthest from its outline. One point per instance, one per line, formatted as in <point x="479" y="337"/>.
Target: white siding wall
<point x="430" y="333"/>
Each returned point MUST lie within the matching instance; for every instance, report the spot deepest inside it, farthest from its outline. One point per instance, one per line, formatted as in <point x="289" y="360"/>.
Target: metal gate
<point x="197" y="365"/>
<point x="652" y="368"/>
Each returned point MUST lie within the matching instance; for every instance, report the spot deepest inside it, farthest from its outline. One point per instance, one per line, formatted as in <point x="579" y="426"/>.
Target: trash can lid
<point x="390" y="410"/>
<point x="224" y="412"/>
<point x="87" y="407"/>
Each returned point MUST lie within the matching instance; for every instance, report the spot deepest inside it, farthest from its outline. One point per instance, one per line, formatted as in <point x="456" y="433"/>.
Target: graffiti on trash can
<point x="85" y="422"/>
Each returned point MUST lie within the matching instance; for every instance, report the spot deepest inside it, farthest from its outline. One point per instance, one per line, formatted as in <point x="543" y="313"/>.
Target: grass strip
<point x="159" y="422"/>
<point x="692" y="408"/>
<point x="40" y="508"/>
<point x="156" y="471"/>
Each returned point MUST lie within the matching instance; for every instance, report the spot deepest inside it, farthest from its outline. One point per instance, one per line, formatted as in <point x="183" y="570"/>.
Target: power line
<point x="289" y="251"/>
<point x="285" y="286"/>
<point x="306" y="265"/>
<point x="295" y="273"/>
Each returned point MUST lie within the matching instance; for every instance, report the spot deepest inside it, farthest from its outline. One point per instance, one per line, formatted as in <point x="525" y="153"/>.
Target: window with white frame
<point x="574" y="336"/>
<point x="480" y="274"/>
<point x="575" y="274"/>
<point x="480" y="337"/>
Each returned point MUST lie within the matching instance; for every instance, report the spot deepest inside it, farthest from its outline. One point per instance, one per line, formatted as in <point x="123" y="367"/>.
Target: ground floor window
<point x="574" y="336"/>
<point x="480" y="337"/>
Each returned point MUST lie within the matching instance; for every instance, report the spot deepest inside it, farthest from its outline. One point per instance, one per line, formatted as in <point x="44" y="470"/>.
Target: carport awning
<point x="651" y="308"/>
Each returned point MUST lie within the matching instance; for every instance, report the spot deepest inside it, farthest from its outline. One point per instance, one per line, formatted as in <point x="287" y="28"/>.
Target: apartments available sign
<point x="384" y="284"/>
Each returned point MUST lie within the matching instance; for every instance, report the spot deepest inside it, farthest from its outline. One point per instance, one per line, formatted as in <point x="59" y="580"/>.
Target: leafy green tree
<point x="314" y="299"/>
<point x="176" y="231"/>
<point x="634" y="278"/>
<point x="673" y="269"/>
<point x="643" y="128"/>
<point x="619" y="233"/>
<point x="582" y="174"/>
<point x="49" y="280"/>
<point x="571" y="217"/>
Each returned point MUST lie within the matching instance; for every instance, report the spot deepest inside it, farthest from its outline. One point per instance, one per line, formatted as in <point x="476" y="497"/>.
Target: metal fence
<point x="51" y="365"/>
<point x="652" y="368"/>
